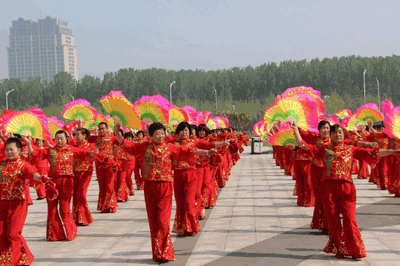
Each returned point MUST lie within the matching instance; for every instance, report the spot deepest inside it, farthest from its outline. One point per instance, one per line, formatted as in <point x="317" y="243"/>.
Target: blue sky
<point x="110" y="35"/>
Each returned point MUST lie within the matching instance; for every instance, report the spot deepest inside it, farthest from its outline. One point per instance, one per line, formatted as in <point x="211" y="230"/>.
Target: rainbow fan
<point x="199" y="118"/>
<point x="283" y="137"/>
<point x="100" y="118"/>
<point x="177" y="115"/>
<point x="207" y="116"/>
<point x="79" y="108"/>
<point x="386" y="106"/>
<point x="316" y="95"/>
<point x="116" y="104"/>
<point x="32" y="122"/>
<point x="110" y="121"/>
<point x="223" y="121"/>
<point x="343" y="113"/>
<point x="54" y="125"/>
<point x="212" y="124"/>
<point x="300" y="107"/>
<point x="392" y="122"/>
<point x="331" y="120"/>
<point x="264" y="137"/>
<point x="256" y="128"/>
<point x="362" y="114"/>
<point x="192" y="114"/>
<point x="153" y="109"/>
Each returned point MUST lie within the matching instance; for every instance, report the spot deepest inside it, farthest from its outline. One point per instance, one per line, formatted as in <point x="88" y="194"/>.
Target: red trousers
<point x="80" y="208"/>
<point x="220" y="175"/>
<point x="40" y="188"/>
<point x="120" y="183"/>
<point x="382" y="173"/>
<point x="13" y="248"/>
<point x="339" y="197"/>
<point x="288" y="154"/>
<point x="214" y="188"/>
<point x="319" y="220"/>
<point x="206" y="189"/>
<point x="158" y="198"/>
<point x="363" y="173"/>
<point x="61" y="206"/>
<point x="302" y="172"/>
<point x="139" y="170"/>
<point x="185" y="186"/>
<point x="394" y="176"/>
<point x="129" y="182"/>
<point x="105" y="177"/>
<point x="355" y="168"/>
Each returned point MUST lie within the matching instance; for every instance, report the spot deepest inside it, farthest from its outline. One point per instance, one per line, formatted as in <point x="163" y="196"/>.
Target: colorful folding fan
<point x="386" y="106"/>
<point x="31" y="122"/>
<point x="116" y="104"/>
<point x="343" y="113"/>
<point x="192" y="114"/>
<point x="153" y="108"/>
<point x="212" y="124"/>
<point x="316" y="95"/>
<point x="362" y="114"/>
<point x="110" y="122"/>
<point x="272" y="114"/>
<point x="54" y="125"/>
<point x="283" y="137"/>
<point x="331" y="120"/>
<point x="177" y="115"/>
<point x="100" y="118"/>
<point x="79" y="108"/>
<point x="207" y="116"/>
<point x="199" y="118"/>
<point x="256" y="128"/>
<point x="223" y="121"/>
<point x="392" y="122"/>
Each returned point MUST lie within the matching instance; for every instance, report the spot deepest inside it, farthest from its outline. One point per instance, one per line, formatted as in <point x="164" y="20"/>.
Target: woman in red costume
<point x="42" y="167"/>
<point x="83" y="171"/>
<point x="61" y="172"/>
<point x="14" y="173"/>
<point x="338" y="190"/>
<point x="186" y="182"/>
<point x="121" y="189"/>
<point x="158" y="156"/>
<point x="363" y="172"/>
<point x="106" y="169"/>
<point x="131" y="162"/>
<point x="139" y="166"/>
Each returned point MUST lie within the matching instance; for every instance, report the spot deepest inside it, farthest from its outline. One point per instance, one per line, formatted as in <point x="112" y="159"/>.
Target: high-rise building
<point x="41" y="49"/>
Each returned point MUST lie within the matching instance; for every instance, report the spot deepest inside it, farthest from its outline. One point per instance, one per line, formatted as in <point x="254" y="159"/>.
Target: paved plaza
<point x="256" y="222"/>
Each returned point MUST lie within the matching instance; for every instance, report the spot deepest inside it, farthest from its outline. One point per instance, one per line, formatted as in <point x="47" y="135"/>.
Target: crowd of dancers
<point x="192" y="163"/>
<point x="323" y="164"/>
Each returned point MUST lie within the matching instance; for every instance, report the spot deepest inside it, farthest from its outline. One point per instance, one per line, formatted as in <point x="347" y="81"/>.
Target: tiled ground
<point x="256" y="221"/>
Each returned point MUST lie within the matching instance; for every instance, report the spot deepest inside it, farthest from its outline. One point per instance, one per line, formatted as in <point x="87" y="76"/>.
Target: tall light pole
<point x="72" y="97"/>
<point x="170" y="92"/>
<point x="365" y="97"/>
<point x="379" y="97"/>
<point x="216" y="106"/>
<point x="8" y="92"/>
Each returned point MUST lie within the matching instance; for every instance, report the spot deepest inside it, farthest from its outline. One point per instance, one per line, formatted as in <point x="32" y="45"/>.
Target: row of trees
<point x="249" y="90"/>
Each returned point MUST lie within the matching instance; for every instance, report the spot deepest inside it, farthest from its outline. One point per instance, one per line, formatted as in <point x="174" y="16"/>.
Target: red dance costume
<point x="381" y="171"/>
<point x="121" y="188"/>
<point x="61" y="173"/>
<point x="83" y="171"/>
<point x="13" y="210"/>
<point x="105" y="172"/>
<point x="339" y="195"/>
<point x="131" y="163"/>
<point x="158" y="190"/>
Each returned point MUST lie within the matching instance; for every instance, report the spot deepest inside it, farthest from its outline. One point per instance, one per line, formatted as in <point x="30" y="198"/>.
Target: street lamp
<point x="170" y="93"/>
<point x="72" y="97"/>
<point x="379" y="97"/>
<point x="7" y="98"/>
<point x="365" y="98"/>
<point x="216" y="106"/>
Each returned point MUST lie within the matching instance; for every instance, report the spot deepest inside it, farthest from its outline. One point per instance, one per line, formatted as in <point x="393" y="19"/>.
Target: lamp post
<point x="7" y="98"/>
<point x="72" y="97"/>
<point x="216" y="106"/>
<point x="365" y="97"/>
<point x="170" y="92"/>
<point x="379" y="97"/>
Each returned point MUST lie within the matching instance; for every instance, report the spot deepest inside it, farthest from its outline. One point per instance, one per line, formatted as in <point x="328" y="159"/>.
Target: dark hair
<point x="128" y="134"/>
<point x="323" y="123"/>
<point x="195" y="128"/>
<point x="141" y="132"/>
<point x="213" y="130"/>
<point x="62" y="132"/>
<point x="103" y="123"/>
<point x="182" y="126"/>
<point x="121" y="131"/>
<point x="155" y="126"/>
<point x="379" y="124"/>
<point x="84" y="131"/>
<point x="335" y="127"/>
<point x="203" y="127"/>
<point x="17" y="142"/>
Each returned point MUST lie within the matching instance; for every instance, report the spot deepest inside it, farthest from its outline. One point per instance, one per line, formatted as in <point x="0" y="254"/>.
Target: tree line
<point x="248" y="89"/>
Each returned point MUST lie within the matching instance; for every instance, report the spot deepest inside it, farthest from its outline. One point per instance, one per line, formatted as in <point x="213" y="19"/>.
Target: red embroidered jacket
<point x="338" y="159"/>
<point x="106" y="147"/>
<point x="314" y="139"/>
<point x="61" y="159"/>
<point x="190" y="162"/>
<point x="14" y="175"/>
<point x="158" y="157"/>
<point x="84" y="164"/>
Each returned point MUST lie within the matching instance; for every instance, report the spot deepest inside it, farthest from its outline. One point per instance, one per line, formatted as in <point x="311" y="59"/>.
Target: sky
<point x="110" y="35"/>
